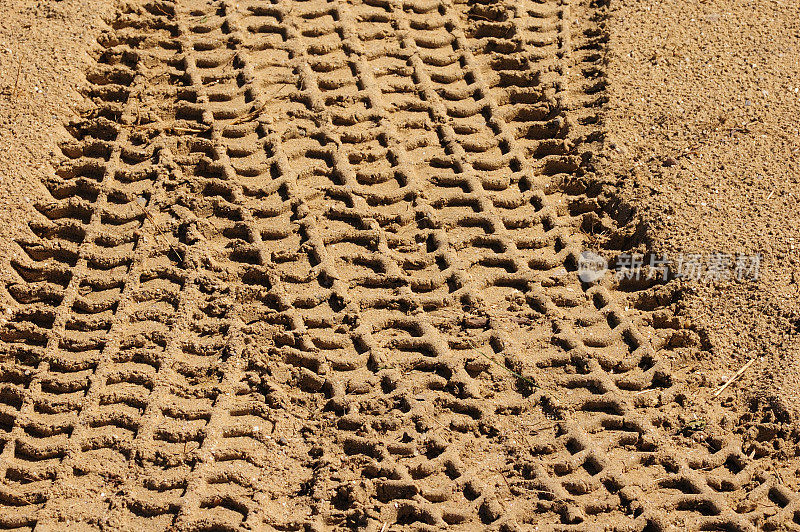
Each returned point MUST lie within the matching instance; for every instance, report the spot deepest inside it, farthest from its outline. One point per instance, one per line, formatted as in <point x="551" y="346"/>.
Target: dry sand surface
<point x="277" y="265"/>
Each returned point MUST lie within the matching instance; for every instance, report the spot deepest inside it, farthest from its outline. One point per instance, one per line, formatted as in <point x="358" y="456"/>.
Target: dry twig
<point x="517" y="375"/>
<point x="736" y="376"/>
<point x="16" y="80"/>
<point x="158" y="234"/>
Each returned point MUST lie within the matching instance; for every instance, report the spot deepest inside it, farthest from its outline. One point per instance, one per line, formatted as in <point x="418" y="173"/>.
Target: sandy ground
<point x="703" y="120"/>
<point x="700" y="155"/>
<point x="44" y="54"/>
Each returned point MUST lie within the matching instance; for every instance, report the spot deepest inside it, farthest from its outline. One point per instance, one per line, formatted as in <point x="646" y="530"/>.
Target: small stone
<point x="475" y="322"/>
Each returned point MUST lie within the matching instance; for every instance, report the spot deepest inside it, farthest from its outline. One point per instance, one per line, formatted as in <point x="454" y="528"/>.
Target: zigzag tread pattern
<point x="309" y="265"/>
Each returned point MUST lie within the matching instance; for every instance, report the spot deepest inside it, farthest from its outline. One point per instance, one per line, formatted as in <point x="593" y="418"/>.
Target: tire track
<point x="328" y="236"/>
<point x="76" y="289"/>
<point x="366" y="200"/>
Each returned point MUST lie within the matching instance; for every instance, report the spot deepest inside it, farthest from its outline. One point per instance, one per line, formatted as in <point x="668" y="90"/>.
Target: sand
<point x="317" y="265"/>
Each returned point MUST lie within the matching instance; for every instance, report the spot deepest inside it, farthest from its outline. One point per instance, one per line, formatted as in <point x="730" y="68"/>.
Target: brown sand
<point x="309" y="265"/>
